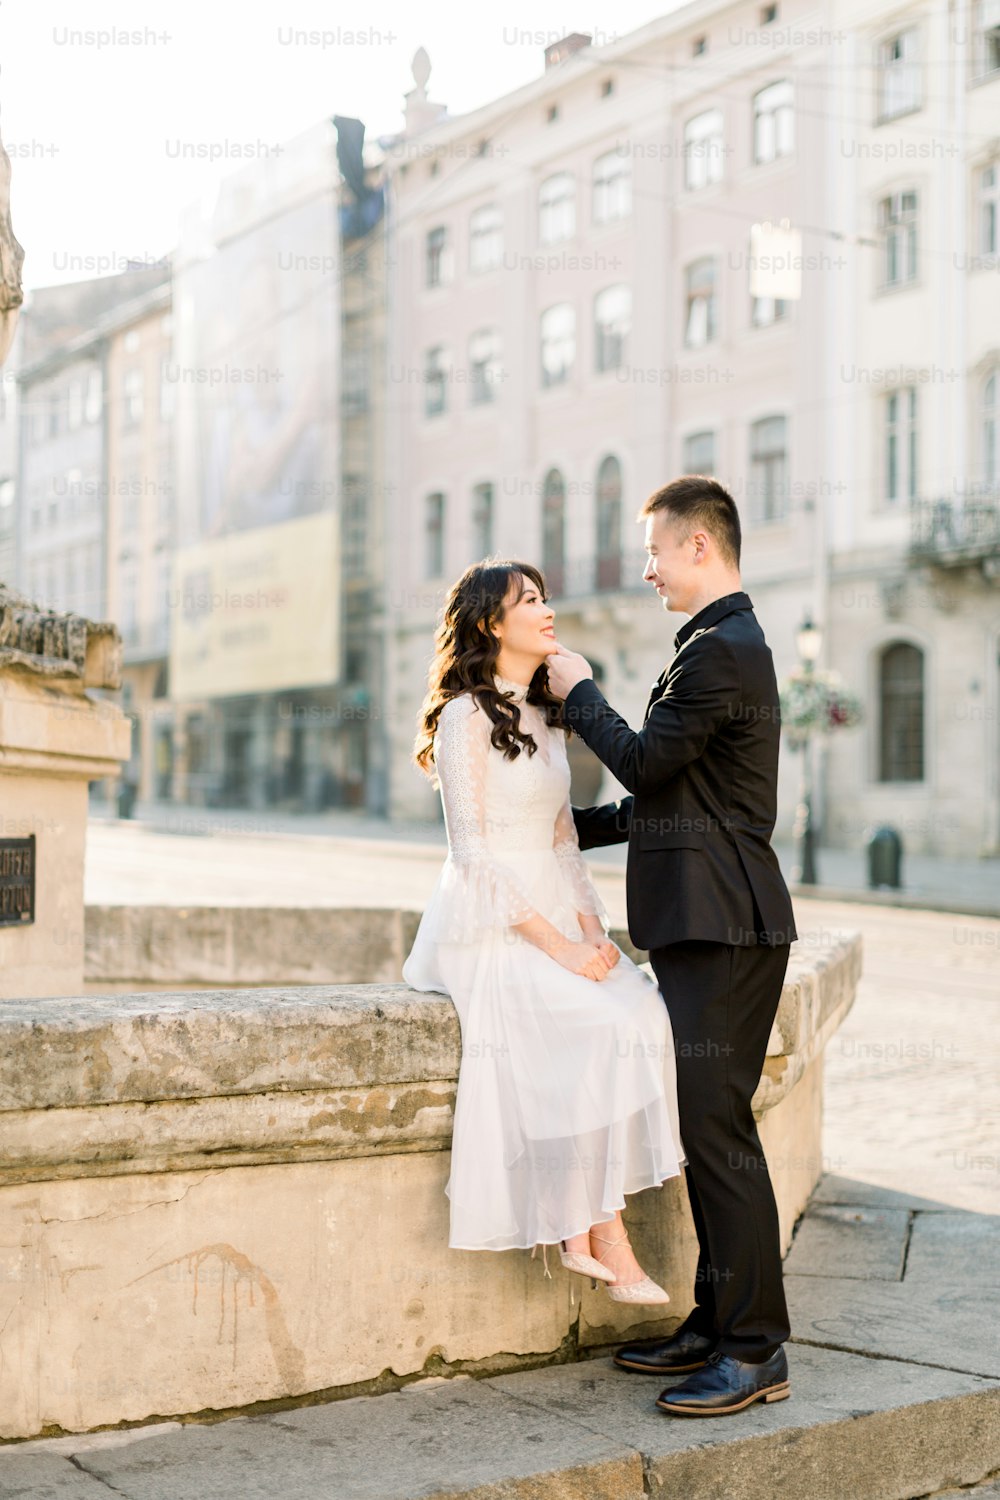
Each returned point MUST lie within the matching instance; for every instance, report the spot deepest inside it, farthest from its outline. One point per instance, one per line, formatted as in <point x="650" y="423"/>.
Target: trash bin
<point x="885" y="857"/>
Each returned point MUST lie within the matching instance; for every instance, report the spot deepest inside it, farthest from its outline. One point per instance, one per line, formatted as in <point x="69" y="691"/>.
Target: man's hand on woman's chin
<point x="566" y="669"/>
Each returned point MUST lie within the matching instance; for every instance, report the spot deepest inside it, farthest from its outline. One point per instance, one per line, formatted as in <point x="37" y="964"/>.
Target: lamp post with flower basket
<point x="812" y="703"/>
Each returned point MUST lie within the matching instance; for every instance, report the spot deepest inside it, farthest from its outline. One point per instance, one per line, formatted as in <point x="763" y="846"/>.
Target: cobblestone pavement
<point x="912" y="1076"/>
<point x="972" y="884"/>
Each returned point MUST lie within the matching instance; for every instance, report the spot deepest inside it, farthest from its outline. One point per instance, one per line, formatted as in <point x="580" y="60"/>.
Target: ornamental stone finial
<point x="11" y="260"/>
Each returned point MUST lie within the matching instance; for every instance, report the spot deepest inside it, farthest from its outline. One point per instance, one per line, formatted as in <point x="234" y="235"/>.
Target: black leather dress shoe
<point x="727" y="1384"/>
<point x="686" y="1350"/>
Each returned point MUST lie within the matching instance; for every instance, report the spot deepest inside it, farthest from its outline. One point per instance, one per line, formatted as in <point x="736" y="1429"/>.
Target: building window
<point x="434" y="536"/>
<point x="75" y="411"/>
<point x="897" y="225"/>
<point x="703" y="149"/>
<point x="554" y="532"/>
<point x="355" y="527"/>
<point x="612" y="325"/>
<point x="132" y="397"/>
<point x="94" y="400"/>
<point x="898" y="75"/>
<point x="773" y="122"/>
<point x="168" y="390"/>
<point x="558" y="329"/>
<point x="130" y="342"/>
<point x="990" y="430"/>
<point x="901" y="701"/>
<point x="767" y="310"/>
<point x="699" y="453"/>
<point x="612" y="188"/>
<point x="485" y="238"/>
<point x="485" y="370"/>
<point x="128" y="578"/>
<point x="987" y="37"/>
<point x="482" y="521"/>
<point x="556" y="209"/>
<point x="354" y="382"/>
<point x="699" y="318"/>
<point x="439" y="258"/>
<point x="161" y="611"/>
<point x="901" y="444"/>
<point x="435" y="382"/>
<point x="989" y="209"/>
<point x="55" y="402"/>
<point x="609" y="523"/>
<point x="768" y="486"/>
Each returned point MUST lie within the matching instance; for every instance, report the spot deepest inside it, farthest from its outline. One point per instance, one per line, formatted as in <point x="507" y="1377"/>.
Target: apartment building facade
<point x="574" y="325"/>
<point x="914" y="353"/>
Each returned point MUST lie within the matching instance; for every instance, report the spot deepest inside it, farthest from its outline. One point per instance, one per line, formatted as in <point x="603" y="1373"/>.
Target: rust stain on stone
<point x="288" y="1358"/>
<point x="381" y="1109"/>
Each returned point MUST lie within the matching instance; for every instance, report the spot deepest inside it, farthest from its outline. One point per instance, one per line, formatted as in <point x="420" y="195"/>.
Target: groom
<point x="707" y="899"/>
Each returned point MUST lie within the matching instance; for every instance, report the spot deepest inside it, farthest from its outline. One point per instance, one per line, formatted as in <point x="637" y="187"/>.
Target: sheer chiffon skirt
<point x="567" y="1094"/>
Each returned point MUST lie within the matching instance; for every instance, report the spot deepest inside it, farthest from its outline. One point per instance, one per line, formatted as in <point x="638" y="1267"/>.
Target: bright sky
<point x="94" y="127"/>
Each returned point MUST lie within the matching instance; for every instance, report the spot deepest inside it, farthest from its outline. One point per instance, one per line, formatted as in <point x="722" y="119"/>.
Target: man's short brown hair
<point x="696" y="501"/>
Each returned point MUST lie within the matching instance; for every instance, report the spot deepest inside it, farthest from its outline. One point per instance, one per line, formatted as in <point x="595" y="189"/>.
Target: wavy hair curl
<point x="465" y="657"/>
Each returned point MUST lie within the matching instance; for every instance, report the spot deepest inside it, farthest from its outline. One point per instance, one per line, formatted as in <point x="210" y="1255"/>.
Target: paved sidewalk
<point x="895" y="1380"/>
<point x="971" y="885"/>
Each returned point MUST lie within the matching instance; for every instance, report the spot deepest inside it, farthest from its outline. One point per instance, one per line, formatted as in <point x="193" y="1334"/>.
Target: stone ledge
<point x="170" y="1081"/>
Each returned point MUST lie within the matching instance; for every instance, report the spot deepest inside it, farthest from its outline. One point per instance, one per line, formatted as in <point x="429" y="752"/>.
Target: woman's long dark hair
<point x="465" y="658"/>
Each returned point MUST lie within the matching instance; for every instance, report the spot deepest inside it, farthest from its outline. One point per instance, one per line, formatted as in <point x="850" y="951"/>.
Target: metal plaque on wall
<point x="17" y="880"/>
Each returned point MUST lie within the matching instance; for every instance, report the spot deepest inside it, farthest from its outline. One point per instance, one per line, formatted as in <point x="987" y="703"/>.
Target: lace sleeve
<point x="566" y="844"/>
<point x="479" y="892"/>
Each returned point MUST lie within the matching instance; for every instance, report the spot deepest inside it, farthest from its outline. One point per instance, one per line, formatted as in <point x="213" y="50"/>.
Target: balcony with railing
<point x="959" y="531"/>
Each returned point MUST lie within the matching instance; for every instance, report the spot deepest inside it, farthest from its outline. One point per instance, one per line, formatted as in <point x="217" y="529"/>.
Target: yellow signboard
<point x="257" y="611"/>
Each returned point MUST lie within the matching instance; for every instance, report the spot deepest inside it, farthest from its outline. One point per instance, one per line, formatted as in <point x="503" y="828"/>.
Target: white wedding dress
<point x="567" y="1095"/>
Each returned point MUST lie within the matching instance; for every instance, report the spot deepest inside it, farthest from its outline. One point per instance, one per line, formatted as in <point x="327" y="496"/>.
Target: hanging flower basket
<point x="816" y="703"/>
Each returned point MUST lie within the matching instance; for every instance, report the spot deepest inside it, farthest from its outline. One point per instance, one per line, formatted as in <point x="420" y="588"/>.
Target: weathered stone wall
<point x="216" y="1198"/>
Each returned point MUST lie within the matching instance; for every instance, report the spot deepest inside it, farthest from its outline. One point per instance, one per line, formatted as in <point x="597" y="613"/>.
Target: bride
<point x="567" y="1096"/>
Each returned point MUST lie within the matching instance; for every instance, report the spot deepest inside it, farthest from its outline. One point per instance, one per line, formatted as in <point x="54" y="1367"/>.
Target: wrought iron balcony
<point x="956" y="532"/>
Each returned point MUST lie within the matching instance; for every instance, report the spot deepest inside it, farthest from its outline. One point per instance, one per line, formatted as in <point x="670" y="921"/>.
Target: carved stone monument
<point x="55" y="737"/>
<point x="11" y="259"/>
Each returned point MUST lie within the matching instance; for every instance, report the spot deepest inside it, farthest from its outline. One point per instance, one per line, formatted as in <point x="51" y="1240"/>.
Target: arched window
<point x="609" y="523"/>
<point x="612" y="186"/>
<point x="558" y="345"/>
<point x="901" y="701"/>
<point x="554" y="532"/>
<point x="557" y="208"/>
<point x="612" y="323"/>
<point x="990" y="429"/>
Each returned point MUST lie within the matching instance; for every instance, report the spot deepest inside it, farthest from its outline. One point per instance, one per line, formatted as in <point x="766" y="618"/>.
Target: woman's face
<point x="526" y="627"/>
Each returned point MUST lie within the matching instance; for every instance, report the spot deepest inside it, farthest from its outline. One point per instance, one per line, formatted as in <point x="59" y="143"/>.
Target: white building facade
<point x="571" y="325"/>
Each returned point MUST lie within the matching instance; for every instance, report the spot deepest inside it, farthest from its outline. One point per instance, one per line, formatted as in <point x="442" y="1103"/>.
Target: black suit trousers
<point x="722" y="1000"/>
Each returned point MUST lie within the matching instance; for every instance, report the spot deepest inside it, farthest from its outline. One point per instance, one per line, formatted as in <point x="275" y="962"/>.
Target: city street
<point x="912" y="1076"/>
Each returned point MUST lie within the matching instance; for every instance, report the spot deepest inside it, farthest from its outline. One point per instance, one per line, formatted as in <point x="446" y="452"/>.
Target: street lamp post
<point x="809" y="640"/>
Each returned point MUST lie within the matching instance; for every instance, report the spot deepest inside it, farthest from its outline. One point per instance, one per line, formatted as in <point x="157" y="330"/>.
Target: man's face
<point x="670" y="562"/>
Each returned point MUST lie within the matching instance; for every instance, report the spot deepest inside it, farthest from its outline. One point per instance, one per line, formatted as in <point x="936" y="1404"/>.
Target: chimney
<point x="557" y="52"/>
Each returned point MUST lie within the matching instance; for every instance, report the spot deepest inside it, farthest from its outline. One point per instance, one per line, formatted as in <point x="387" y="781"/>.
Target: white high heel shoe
<point x="583" y="1265"/>
<point x="645" y="1292"/>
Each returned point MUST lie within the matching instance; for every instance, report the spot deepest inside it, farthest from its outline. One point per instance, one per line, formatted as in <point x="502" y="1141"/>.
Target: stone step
<point x="854" y="1428"/>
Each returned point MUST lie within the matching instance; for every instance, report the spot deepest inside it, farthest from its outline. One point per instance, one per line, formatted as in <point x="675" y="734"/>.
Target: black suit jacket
<point x="703" y="776"/>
